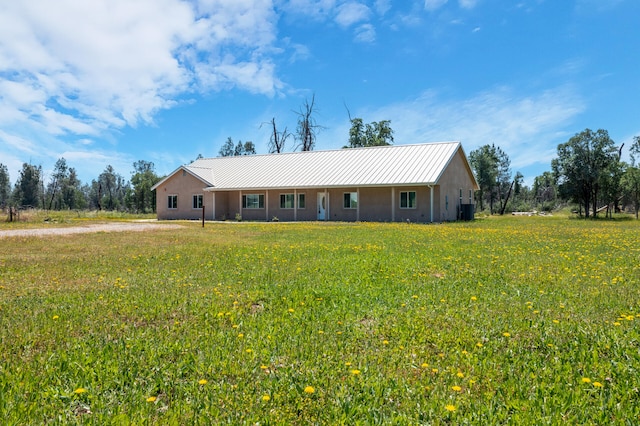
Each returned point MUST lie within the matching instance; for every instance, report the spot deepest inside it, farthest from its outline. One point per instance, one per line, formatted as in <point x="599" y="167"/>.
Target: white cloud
<point x="82" y="67"/>
<point x="365" y="33"/>
<point x="528" y="128"/>
<point x="467" y="4"/>
<point x="352" y="13"/>
<point x="434" y="4"/>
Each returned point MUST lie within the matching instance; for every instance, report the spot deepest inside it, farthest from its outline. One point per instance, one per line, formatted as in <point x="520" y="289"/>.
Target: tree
<point x="484" y="162"/>
<point x="56" y="183"/>
<point x="5" y="186"/>
<point x="307" y="127"/>
<point x="228" y="148"/>
<point x="544" y="190"/>
<point x="111" y="190"/>
<point x="72" y="194"/>
<point x="142" y="198"/>
<point x="631" y="178"/>
<point x="28" y="188"/>
<point x="584" y="167"/>
<point x="277" y="140"/>
<point x="376" y="133"/>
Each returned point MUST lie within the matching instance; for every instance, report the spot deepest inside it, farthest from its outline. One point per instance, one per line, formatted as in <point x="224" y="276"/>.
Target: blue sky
<point x="110" y="82"/>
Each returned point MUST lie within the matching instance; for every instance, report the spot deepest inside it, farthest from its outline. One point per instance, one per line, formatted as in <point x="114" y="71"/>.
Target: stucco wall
<point x="455" y="178"/>
<point x="185" y="186"/>
<point x="380" y="204"/>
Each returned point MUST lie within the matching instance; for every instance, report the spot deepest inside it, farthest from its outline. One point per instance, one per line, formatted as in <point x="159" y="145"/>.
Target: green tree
<point x="142" y="179"/>
<point x="5" y="186"/>
<point x="72" y="194"/>
<point x="376" y="133"/>
<point x="484" y="162"/>
<point x="111" y="190"/>
<point x="28" y="188"/>
<point x="227" y="149"/>
<point x="230" y="149"/>
<point x="631" y="178"/>
<point x="56" y="184"/>
<point x="584" y="168"/>
<point x="545" y="191"/>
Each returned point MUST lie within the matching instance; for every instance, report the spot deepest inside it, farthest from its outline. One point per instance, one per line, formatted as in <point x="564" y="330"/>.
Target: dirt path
<point x="84" y="229"/>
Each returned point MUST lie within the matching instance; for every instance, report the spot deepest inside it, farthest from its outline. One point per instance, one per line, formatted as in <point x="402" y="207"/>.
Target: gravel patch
<point x="85" y="229"/>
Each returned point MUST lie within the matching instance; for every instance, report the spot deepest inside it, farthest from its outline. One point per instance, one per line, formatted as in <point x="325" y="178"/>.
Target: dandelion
<point x="151" y="399"/>
<point x="450" y="408"/>
<point x="474" y="298"/>
<point x="309" y="390"/>
<point x="202" y="381"/>
<point x="479" y="344"/>
<point x="263" y="367"/>
<point x="355" y="372"/>
<point x="506" y="334"/>
<point x="460" y="374"/>
<point x="249" y="351"/>
<point x="586" y="380"/>
<point x="240" y="336"/>
<point x="597" y="384"/>
<point x="348" y="364"/>
<point x="55" y="317"/>
<point x="291" y="310"/>
<point x="424" y="365"/>
<point x="80" y="391"/>
<point x="456" y="388"/>
<point x="385" y="342"/>
<point x="266" y="398"/>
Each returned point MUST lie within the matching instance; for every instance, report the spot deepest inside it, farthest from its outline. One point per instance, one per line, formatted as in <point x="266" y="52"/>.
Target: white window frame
<point x="252" y="206"/>
<point x="198" y="201"/>
<point x="172" y="201"/>
<point x="353" y="200"/>
<point x="287" y="201"/>
<point x="408" y="205"/>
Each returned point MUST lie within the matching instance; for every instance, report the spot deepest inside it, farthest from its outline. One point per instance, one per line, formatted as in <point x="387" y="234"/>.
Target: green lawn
<point x="503" y="320"/>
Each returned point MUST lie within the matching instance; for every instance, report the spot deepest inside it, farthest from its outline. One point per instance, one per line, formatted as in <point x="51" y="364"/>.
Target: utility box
<point x="467" y="212"/>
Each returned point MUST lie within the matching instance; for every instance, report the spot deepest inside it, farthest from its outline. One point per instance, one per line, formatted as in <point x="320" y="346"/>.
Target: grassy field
<point x="502" y="320"/>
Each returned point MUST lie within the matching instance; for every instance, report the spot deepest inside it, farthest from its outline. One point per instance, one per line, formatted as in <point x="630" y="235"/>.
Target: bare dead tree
<point x="307" y="126"/>
<point x="277" y="139"/>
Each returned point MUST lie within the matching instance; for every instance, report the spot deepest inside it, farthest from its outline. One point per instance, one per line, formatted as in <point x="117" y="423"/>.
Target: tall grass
<point x="510" y="320"/>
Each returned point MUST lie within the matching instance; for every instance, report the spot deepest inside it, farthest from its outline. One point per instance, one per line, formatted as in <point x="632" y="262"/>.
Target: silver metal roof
<point x="418" y="164"/>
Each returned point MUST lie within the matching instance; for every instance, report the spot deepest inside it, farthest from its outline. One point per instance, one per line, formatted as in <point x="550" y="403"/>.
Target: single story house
<point x="429" y="182"/>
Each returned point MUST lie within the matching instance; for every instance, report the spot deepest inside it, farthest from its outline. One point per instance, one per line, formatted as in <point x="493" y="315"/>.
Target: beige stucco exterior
<point x="433" y="203"/>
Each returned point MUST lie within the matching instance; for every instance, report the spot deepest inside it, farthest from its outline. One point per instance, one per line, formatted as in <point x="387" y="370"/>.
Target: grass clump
<point x="510" y="320"/>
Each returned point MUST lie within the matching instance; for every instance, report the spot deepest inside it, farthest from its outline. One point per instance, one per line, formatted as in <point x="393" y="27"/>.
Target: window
<point x="408" y="199"/>
<point x="197" y="201"/>
<point x="350" y="200"/>
<point x="253" y="201"/>
<point x="470" y="197"/>
<point x="287" y="201"/>
<point x="172" y="201"/>
<point x="301" y="201"/>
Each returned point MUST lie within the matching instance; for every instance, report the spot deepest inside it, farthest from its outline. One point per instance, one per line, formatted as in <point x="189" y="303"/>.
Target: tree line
<point x="588" y="172"/>
<point x="63" y="190"/>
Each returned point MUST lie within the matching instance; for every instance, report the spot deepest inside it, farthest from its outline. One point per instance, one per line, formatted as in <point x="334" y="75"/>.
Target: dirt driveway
<point x="84" y="229"/>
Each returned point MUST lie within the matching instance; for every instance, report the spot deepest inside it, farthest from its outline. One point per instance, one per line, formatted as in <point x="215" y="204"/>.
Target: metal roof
<point x="417" y="164"/>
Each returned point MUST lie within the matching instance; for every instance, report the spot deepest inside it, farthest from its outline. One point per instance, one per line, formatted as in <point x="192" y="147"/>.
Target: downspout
<point x="393" y="204"/>
<point x="358" y="206"/>
<point x="213" y="206"/>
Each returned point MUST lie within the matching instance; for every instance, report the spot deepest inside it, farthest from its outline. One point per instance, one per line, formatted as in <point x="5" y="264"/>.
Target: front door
<point x="322" y="205"/>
